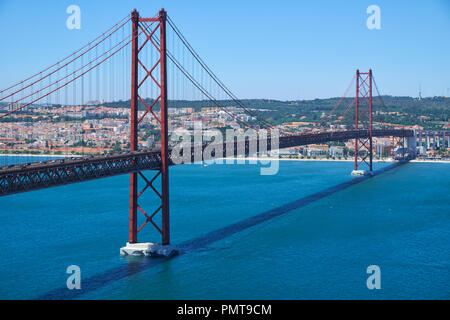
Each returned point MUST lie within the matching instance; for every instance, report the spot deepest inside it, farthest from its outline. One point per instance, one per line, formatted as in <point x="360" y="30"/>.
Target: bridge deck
<point x="45" y="174"/>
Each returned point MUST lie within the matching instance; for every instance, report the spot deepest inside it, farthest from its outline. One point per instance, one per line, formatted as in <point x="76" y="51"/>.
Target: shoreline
<point x="331" y="160"/>
<point x="430" y="161"/>
<point x="38" y="155"/>
<point x="238" y="158"/>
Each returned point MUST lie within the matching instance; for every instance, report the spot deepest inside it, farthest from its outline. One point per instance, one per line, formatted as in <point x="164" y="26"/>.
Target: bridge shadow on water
<point x="138" y="264"/>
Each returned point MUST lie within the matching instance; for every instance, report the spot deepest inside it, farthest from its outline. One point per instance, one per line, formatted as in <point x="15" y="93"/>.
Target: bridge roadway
<point x="44" y="174"/>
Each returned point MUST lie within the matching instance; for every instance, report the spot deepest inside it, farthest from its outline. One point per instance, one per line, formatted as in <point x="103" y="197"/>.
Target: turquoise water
<point x="398" y="220"/>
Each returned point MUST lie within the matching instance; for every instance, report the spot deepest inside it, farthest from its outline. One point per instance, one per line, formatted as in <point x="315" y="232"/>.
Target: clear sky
<point x="261" y="49"/>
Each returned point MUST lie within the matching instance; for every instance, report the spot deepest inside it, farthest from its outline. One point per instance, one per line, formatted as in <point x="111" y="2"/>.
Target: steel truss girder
<point x="39" y="176"/>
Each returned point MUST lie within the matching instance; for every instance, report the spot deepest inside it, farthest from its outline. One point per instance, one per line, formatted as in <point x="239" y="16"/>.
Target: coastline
<point x="331" y="160"/>
<point x="430" y="161"/>
<point x="38" y="155"/>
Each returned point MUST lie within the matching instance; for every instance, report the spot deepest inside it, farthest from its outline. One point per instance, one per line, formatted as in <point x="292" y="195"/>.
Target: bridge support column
<point x="420" y="138"/>
<point x="363" y="118"/>
<point x="139" y="27"/>
<point x="164" y="133"/>
<point x="434" y="141"/>
<point x="411" y="146"/>
<point x="443" y="139"/>
<point x="132" y="237"/>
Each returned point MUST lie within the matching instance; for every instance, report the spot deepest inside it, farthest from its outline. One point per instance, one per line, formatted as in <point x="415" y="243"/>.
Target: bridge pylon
<point x="363" y="120"/>
<point x="140" y="27"/>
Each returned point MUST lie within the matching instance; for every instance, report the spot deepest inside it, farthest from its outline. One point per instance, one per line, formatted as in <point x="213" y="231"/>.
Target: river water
<point x="302" y="248"/>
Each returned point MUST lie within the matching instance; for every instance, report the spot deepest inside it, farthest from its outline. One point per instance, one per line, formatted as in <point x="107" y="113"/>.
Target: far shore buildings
<point x="100" y="129"/>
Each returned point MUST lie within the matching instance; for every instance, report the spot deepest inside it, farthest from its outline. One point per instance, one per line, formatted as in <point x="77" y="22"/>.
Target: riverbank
<point x="333" y="160"/>
<point x="38" y="155"/>
<point x="430" y="161"/>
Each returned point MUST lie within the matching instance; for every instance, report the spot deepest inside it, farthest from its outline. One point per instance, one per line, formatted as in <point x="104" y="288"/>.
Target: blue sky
<point x="261" y="49"/>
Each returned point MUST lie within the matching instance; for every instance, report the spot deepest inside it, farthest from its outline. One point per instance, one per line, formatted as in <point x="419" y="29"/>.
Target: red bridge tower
<point x="363" y="120"/>
<point x="140" y="27"/>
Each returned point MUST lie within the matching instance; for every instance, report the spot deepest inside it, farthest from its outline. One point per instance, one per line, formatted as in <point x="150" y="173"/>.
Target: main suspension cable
<point x="64" y="59"/>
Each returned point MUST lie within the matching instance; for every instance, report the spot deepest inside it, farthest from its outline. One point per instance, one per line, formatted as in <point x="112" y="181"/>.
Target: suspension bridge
<point x="62" y="109"/>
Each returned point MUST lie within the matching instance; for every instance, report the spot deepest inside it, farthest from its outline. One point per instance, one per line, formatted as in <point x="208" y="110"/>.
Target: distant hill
<point x="431" y="112"/>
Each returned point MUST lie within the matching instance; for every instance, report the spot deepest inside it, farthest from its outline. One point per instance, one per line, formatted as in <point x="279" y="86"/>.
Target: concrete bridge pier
<point x="448" y="141"/>
<point x="410" y="145"/>
<point x="434" y="141"/>
<point x="443" y="139"/>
